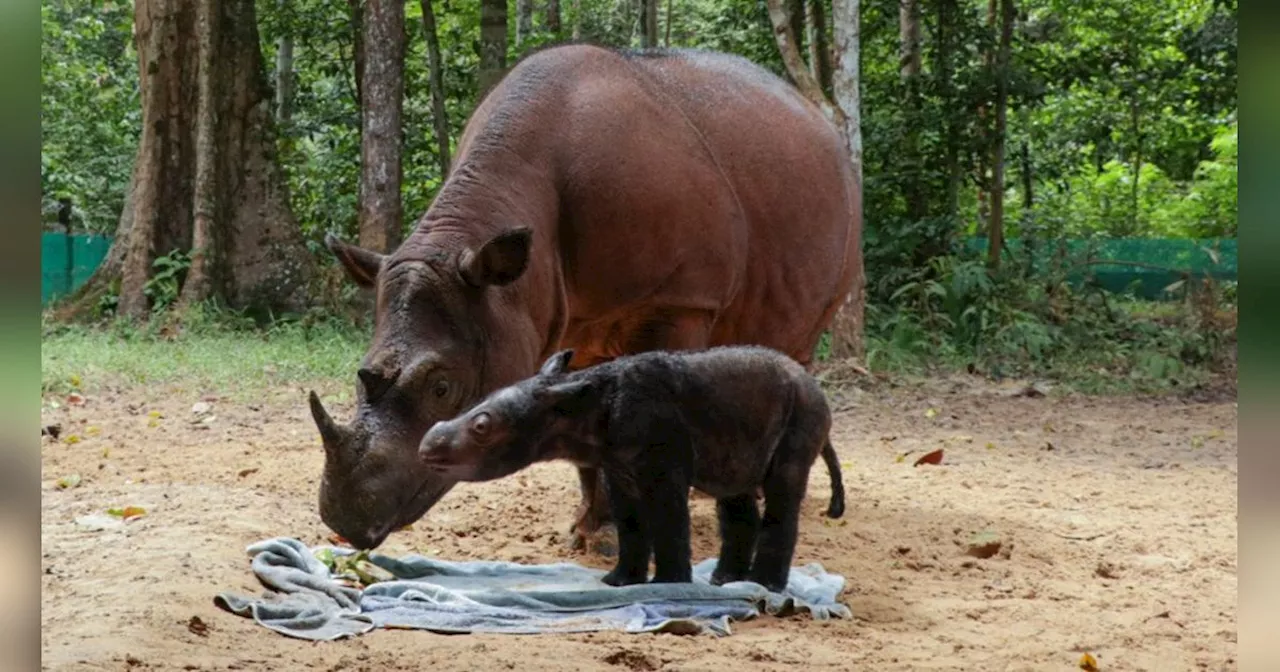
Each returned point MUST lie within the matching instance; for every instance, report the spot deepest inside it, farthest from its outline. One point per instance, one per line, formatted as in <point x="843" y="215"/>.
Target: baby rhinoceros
<point x="730" y="421"/>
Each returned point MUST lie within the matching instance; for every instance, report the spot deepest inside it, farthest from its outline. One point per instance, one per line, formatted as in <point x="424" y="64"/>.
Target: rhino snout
<point x="437" y="443"/>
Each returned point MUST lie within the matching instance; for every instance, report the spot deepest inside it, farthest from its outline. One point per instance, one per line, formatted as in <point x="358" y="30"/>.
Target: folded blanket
<point x="420" y="593"/>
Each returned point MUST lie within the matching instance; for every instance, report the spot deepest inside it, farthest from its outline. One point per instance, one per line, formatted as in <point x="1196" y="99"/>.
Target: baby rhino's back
<point x="738" y="402"/>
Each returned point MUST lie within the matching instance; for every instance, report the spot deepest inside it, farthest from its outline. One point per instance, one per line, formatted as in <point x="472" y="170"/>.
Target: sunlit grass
<point x="237" y="364"/>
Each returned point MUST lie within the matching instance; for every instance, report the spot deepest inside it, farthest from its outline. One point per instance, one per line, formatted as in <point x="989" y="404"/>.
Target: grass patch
<point x="209" y="358"/>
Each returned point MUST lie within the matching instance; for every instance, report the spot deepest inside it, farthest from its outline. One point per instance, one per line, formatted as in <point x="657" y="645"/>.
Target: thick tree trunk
<point x="551" y="18"/>
<point x="819" y="49"/>
<point x="995" y="234"/>
<point x="909" y="67"/>
<point x="649" y="23"/>
<point x="381" y="211"/>
<point x="439" y="117"/>
<point x="493" y="43"/>
<point x="205" y="276"/>
<point x="847" y="329"/>
<point x="284" y="76"/>
<point x="205" y="179"/>
<point x="524" y="20"/>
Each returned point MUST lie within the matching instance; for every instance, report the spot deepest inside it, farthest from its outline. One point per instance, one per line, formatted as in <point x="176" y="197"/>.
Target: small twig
<point x="1076" y="537"/>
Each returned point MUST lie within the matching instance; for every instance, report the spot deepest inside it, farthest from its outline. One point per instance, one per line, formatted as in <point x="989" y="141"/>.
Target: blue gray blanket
<point x="311" y="602"/>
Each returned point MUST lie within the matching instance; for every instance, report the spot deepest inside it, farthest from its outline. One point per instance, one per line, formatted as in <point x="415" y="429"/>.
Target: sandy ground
<point x="1117" y="519"/>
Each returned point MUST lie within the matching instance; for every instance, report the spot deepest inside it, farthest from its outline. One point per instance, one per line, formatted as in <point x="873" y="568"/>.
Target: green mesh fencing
<point x="1143" y="267"/>
<point x="65" y="263"/>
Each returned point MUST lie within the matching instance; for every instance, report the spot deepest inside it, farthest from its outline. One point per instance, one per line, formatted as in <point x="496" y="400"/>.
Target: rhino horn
<point x="335" y="437"/>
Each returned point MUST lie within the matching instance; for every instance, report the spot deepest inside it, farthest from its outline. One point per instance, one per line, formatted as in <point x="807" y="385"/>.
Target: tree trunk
<point x="356" y="10"/>
<point x="1134" y="194"/>
<point x="284" y="76"/>
<point x="524" y="20"/>
<point x="381" y="211"/>
<point x="948" y="13"/>
<point x="439" y="117"/>
<point x="649" y="23"/>
<point x="995" y="234"/>
<point x="819" y="49"/>
<point x="804" y="80"/>
<point x="666" y="38"/>
<point x="847" y="328"/>
<point x="577" y="20"/>
<point x="795" y="13"/>
<point x="206" y="175"/>
<point x="909" y="65"/>
<point x="493" y="43"/>
<point x="204" y="278"/>
<point x="551" y="18"/>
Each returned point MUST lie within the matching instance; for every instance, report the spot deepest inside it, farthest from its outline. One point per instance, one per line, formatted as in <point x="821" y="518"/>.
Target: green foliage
<point x="90" y="112"/>
<point x="1121" y="123"/>
<point x="166" y="280"/>
<point x="957" y="316"/>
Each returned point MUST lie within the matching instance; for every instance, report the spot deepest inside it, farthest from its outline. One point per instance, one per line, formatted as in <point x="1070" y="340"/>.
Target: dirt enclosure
<point x="1116" y="520"/>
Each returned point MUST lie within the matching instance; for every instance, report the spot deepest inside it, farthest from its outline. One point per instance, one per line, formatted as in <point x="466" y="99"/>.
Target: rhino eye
<point x="480" y="424"/>
<point x="440" y="389"/>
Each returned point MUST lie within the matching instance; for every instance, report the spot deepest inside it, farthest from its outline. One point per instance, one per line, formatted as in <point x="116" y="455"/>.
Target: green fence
<point x="1142" y="266"/>
<point x="1150" y="264"/>
<point x="66" y="262"/>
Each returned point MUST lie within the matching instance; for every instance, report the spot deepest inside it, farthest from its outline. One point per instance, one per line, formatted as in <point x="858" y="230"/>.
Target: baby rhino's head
<point x="510" y="429"/>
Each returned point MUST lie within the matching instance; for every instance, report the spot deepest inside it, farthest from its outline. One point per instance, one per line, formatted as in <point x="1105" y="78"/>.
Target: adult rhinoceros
<point x="608" y="202"/>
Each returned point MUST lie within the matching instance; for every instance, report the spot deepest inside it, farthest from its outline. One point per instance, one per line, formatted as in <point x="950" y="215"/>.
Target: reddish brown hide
<point x="601" y="201"/>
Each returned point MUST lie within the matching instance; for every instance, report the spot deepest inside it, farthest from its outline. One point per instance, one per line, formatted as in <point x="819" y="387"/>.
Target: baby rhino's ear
<point x="557" y="364"/>
<point x="571" y="398"/>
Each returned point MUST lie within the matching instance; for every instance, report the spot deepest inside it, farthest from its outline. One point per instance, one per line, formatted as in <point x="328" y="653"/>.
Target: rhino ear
<point x="360" y="264"/>
<point x="573" y="397"/>
<point x="557" y="364"/>
<point x="499" y="261"/>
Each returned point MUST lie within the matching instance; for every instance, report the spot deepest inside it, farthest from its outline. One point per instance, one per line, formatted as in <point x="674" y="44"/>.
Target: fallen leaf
<point x="74" y="380"/>
<point x="1088" y="664"/>
<point x="72" y="439"/>
<point x="198" y="627"/>
<point x="69" y="481"/>
<point x="1048" y="445"/>
<point x="934" y="457"/>
<point x="901" y="457"/>
<point x="984" y="545"/>
<point x="991" y="446"/>
<point x="75" y="399"/>
<point x="128" y="512"/>
<point x="338" y="540"/>
<point x="106" y="451"/>
<point x="407" y="528"/>
<point x="93" y="431"/>
<point x="201" y="407"/>
<point x="846" y="465"/>
<point x="51" y="430"/>
<point x="245" y="472"/>
<point x="1197" y="442"/>
<point x="930" y="413"/>
<point x="153" y="423"/>
<point x="154" y="414"/>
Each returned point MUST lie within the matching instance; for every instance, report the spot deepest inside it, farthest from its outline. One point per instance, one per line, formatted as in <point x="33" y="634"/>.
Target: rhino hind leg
<point x="593" y="529"/>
